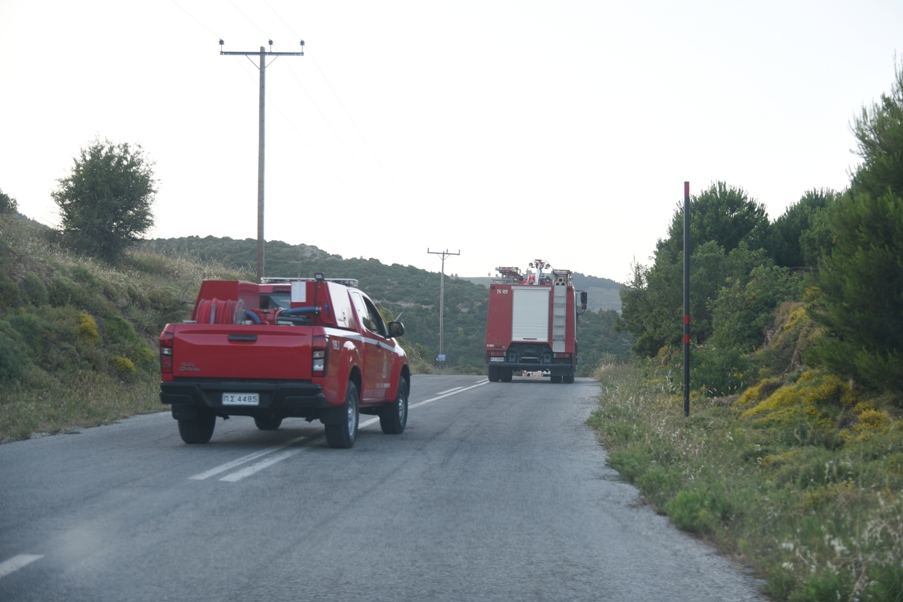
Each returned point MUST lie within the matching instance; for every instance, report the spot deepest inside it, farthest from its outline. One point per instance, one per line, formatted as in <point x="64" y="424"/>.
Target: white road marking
<point x="17" y="562"/>
<point x="449" y="394"/>
<point x="449" y="391"/>
<point x="243" y="460"/>
<point x="254" y="468"/>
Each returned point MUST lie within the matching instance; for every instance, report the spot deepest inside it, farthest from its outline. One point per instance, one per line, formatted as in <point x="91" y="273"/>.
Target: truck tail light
<point x="166" y="340"/>
<point x="497" y="354"/>
<point x="320" y="355"/>
<point x="563" y="355"/>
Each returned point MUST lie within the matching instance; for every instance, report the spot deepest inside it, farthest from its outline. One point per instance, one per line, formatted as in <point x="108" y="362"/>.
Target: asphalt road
<point x="496" y="491"/>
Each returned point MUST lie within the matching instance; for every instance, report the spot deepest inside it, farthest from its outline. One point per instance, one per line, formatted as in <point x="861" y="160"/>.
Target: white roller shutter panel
<point x="530" y="314"/>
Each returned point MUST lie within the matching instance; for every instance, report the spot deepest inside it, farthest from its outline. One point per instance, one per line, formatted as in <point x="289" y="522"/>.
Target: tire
<point x="568" y="379"/>
<point x="555" y="378"/>
<point x="342" y="436"/>
<point x="267" y="423"/>
<point x="505" y="375"/>
<point x="199" y="430"/>
<point x="394" y="416"/>
<point x="493" y="374"/>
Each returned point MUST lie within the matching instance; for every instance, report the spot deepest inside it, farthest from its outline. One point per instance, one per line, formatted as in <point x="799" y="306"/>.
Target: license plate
<point x="496" y="359"/>
<point x="241" y="399"/>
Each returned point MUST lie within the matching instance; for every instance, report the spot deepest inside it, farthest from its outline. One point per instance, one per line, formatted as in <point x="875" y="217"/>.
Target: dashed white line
<point x="16" y="562"/>
<point x="243" y="460"/>
<point x="249" y="470"/>
<point x="449" y="391"/>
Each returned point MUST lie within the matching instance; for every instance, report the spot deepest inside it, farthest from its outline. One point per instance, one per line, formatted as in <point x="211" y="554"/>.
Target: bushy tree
<point x="860" y="277"/>
<point x="792" y="241"/>
<point x="721" y="213"/>
<point x="7" y="203"/>
<point x="105" y="203"/>
<point x="722" y="219"/>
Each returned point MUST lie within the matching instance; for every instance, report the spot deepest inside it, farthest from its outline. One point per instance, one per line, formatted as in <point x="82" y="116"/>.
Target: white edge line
<point x="243" y="460"/>
<point x="17" y="562"/>
<point x="253" y="468"/>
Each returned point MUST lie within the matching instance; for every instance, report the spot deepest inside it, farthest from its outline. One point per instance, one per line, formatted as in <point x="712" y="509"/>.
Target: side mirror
<point x="583" y="300"/>
<point x="396" y="329"/>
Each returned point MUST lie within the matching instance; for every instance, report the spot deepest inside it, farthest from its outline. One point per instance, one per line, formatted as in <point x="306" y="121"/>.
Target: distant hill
<point x="602" y="293"/>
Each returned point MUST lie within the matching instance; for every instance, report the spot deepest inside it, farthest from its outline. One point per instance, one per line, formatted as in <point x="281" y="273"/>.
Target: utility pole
<point x="263" y="53"/>
<point x="444" y="254"/>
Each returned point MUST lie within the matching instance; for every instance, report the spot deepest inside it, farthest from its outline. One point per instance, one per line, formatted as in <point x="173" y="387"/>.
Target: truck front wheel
<point x="394" y="416"/>
<point x="199" y="430"/>
<point x="342" y="436"/>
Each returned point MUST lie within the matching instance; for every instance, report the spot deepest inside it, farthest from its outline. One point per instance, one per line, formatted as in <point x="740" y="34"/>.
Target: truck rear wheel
<point x="199" y="430"/>
<point x="568" y="378"/>
<point x="555" y="378"/>
<point x="493" y="374"/>
<point x="342" y="436"/>
<point x="267" y="423"/>
<point x="506" y="374"/>
<point x="394" y="416"/>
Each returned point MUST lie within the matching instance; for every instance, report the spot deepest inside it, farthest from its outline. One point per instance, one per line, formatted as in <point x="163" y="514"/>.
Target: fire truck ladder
<point x="559" y="311"/>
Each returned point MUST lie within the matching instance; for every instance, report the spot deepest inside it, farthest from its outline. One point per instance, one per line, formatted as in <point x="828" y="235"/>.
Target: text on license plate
<point x="241" y="399"/>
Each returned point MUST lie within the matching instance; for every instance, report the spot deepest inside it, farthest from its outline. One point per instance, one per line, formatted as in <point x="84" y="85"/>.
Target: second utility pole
<point x="444" y="254"/>
<point x="260" y="144"/>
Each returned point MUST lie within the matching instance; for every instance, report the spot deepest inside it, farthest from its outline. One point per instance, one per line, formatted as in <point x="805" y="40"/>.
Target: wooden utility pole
<point x="263" y="53"/>
<point x="444" y="254"/>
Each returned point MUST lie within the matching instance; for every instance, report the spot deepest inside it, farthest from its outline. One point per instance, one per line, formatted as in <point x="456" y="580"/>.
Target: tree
<point x="105" y="203"/>
<point x="792" y="234"/>
<point x="860" y="276"/>
<point x="721" y="213"/>
<point x="723" y="219"/>
<point x="7" y="203"/>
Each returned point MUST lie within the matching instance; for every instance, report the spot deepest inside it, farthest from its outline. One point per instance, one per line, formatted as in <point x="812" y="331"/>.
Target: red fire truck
<point x="532" y="323"/>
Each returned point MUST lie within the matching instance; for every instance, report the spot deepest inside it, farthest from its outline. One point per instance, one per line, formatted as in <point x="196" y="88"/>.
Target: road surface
<point x="496" y="491"/>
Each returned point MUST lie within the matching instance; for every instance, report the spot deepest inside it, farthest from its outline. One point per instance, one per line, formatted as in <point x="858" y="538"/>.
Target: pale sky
<point x="506" y="130"/>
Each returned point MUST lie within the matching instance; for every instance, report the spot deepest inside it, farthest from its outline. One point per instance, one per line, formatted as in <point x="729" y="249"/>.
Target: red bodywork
<point x="532" y="325"/>
<point x="244" y="334"/>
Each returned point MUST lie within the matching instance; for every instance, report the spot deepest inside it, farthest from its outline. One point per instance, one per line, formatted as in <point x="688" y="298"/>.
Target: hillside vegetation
<point x="792" y="456"/>
<point x="78" y="337"/>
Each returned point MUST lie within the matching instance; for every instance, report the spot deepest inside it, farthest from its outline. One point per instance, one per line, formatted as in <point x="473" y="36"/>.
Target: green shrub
<point x="14" y="356"/>
<point x="699" y="511"/>
<point x="9" y="292"/>
<point x="33" y="290"/>
<point x="123" y="366"/>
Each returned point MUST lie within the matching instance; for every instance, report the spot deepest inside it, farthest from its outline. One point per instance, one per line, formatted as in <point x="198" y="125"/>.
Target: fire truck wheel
<point x="394" y="416"/>
<point x="342" y="436"/>
<point x="199" y="430"/>
<point x="506" y="374"/>
<point x="267" y="423"/>
<point x="568" y="378"/>
<point x="493" y="374"/>
<point x="555" y="378"/>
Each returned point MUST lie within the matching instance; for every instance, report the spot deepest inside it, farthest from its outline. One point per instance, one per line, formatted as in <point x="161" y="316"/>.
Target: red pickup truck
<point x="313" y="348"/>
